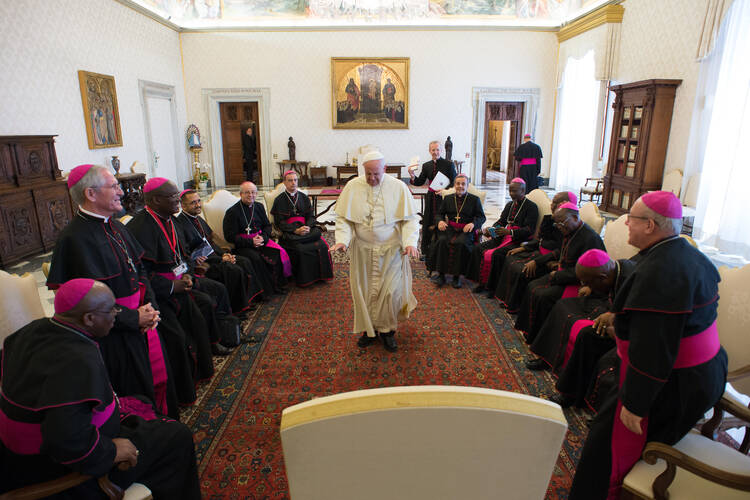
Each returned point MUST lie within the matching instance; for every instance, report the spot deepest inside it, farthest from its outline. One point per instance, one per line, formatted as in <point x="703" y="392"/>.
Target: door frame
<point x="148" y="89"/>
<point x="211" y="100"/>
<point x="480" y="96"/>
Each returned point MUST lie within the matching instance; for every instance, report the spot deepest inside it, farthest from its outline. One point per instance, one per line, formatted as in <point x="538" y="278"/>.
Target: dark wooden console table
<point x="352" y="170"/>
<point x="132" y="187"/>
<point x="34" y="201"/>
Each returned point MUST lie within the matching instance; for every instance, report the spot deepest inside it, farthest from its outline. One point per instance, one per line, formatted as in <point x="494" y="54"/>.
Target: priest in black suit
<point x="458" y="222"/>
<point x="432" y="199"/>
<point x="529" y="156"/>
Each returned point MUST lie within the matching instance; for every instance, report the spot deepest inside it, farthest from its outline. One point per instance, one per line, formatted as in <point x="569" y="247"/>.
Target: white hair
<point x="666" y="224"/>
<point x="92" y="179"/>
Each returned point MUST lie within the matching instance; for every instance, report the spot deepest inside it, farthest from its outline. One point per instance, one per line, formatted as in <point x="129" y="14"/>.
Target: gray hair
<point x="464" y="176"/>
<point x="666" y="224"/>
<point x="92" y="179"/>
<point x="434" y="142"/>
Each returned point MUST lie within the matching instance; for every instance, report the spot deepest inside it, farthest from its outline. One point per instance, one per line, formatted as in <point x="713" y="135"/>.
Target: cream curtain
<point x="715" y="10"/>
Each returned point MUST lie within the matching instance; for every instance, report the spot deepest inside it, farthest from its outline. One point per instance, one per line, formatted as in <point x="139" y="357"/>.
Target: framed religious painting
<point x="370" y="92"/>
<point x="100" y="111"/>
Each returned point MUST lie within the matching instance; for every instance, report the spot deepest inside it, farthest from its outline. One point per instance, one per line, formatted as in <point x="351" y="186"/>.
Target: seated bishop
<point x="516" y="224"/>
<point x="532" y="259"/>
<point x="247" y="226"/>
<point x="61" y="415"/>
<point x="95" y="245"/>
<point x="458" y="222"/>
<point x="542" y="293"/>
<point x="300" y="237"/>
<point x="234" y="271"/>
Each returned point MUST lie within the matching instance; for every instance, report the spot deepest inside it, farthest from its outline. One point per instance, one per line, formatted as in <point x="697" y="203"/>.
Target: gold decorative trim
<point x="611" y="13"/>
<point x="367" y="400"/>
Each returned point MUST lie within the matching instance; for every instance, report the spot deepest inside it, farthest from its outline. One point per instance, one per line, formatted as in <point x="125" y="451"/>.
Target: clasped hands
<point x="184" y="284"/>
<point x="442" y="226"/>
<point x="302" y="230"/>
<point x="410" y="251"/>
<point x="148" y="317"/>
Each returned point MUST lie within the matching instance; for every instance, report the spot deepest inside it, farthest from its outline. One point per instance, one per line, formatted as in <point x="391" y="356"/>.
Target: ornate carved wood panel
<point x="54" y="212"/>
<point x="18" y="213"/>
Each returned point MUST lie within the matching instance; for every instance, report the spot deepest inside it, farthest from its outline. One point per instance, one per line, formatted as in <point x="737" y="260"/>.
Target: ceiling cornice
<point x="611" y="13"/>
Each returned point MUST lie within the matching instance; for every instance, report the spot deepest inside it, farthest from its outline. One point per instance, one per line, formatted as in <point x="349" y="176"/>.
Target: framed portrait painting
<point x="370" y="92"/>
<point x="100" y="110"/>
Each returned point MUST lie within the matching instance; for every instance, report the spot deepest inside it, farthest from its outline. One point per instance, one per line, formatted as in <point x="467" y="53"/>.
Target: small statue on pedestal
<point x="448" y="149"/>
<point x="292" y="149"/>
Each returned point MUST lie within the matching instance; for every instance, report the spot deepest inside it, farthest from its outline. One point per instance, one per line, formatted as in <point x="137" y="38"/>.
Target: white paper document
<point x="439" y="182"/>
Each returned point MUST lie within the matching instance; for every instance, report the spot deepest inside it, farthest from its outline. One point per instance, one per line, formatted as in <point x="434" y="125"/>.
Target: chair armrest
<point x="47" y="488"/>
<point x="738" y="373"/>
<point x="731" y="406"/>
<point x="675" y="458"/>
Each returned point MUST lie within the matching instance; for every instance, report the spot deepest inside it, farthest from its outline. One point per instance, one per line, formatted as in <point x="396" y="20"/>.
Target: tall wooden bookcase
<point x="638" y="144"/>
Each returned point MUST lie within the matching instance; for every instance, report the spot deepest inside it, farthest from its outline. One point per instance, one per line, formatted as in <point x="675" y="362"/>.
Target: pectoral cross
<point x="247" y="230"/>
<point x="458" y="216"/>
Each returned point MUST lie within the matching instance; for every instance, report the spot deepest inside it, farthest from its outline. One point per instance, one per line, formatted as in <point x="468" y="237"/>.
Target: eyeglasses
<point x="636" y="217"/>
<point x="114" y="186"/>
<point x="114" y="311"/>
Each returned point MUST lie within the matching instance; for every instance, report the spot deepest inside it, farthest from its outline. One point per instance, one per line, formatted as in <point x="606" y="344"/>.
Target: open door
<point x="236" y="119"/>
<point x="512" y="114"/>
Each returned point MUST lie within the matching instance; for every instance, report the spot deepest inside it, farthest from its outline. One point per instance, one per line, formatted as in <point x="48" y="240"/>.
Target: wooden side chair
<point x="421" y="442"/>
<point x="594" y="188"/>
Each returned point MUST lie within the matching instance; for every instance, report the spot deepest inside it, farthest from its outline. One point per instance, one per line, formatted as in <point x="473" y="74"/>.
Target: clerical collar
<point x="659" y="243"/>
<point x="92" y="214"/>
<point x="193" y="216"/>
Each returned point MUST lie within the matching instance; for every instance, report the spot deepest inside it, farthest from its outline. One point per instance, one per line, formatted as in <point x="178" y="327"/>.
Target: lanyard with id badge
<point x="180" y="266"/>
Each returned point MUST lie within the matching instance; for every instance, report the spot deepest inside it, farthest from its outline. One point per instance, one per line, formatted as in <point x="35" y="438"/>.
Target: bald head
<point x="94" y="313"/>
<point x="248" y="193"/>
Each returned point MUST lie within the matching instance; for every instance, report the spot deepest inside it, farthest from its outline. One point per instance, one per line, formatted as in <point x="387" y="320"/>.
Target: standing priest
<point x="247" y="226"/>
<point x="458" y="221"/>
<point x="432" y="201"/>
<point x="300" y="236"/>
<point x="377" y="219"/>
<point x="97" y="246"/>
<point x="529" y="155"/>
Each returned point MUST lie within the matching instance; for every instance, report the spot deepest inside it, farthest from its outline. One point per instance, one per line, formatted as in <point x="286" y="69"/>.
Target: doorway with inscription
<point x="503" y="125"/>
<point x="240" y="137"/>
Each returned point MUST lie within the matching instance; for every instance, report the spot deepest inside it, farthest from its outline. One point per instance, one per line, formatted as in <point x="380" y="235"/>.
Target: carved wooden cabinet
<point x="638" y="144"/>
<point x="34" y="202"/>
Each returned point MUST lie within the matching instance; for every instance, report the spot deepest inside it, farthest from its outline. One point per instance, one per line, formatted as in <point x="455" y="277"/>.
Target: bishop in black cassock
<point x="247" y="226"/>
<point x="672" y="366"/>
<point x="516" y="224"/>
<point x="61" y="415"/>
<point x="529" y="156"/>
<point x="542" y="293"/>
<point x="95" y="245"/>
<point x="531" y="259"/>
<point x="459" y="222"/>
<point x="432" y="200"/>
<point x="300" y="235"/>
<point x="235" y="272"/>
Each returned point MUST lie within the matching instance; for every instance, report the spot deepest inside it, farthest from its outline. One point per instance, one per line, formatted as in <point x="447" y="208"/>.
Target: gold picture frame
<point x="383" y="103"/>
<point x="100" y="111"/>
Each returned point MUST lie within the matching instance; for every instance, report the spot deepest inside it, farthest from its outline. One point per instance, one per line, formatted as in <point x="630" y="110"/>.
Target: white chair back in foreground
<point x="672" y="182"/>
<point x="590" y="214"/>
<point x="472" y="189"/>
<point x="215" y="208"/>
<point x="616" y="239"/>
<point x="542" y="202"/>
<point x="425" y="442"/>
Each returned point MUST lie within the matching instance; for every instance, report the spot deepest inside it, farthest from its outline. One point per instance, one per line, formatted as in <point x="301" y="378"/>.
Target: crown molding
<point x="611" y="13"/>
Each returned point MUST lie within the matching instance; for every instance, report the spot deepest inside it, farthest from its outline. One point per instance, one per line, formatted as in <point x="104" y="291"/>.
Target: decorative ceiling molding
<point x="611" y="13"/>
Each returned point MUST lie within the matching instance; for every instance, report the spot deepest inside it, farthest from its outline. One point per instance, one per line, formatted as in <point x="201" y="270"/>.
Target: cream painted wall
<point x="295" y="67"/>
<point x="44" y="44"/>
<point x="659" y="40"/>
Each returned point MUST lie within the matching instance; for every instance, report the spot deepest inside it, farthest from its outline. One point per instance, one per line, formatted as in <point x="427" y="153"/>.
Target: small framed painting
<point x="370" y="92"/>
<point x="100" y="111"/>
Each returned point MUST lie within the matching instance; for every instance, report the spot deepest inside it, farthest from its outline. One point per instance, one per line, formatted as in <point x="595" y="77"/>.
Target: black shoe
<point x="563" y="400"/>
<point x="456" y="283"/>
<point x="220" y="350"/>
<point x="438" y="279"/>
<point x="536" y="364"/>
<point x="421" y="258"/>
<point x="282" y="290"/>
<point x="479" y="289"/>
<point x="389" y="341"/>
<point x="364" y="340"/>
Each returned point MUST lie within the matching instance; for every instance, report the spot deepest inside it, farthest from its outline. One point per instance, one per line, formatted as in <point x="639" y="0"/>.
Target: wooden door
<point x="512" y="112"/>
<point x="234" y="117"/>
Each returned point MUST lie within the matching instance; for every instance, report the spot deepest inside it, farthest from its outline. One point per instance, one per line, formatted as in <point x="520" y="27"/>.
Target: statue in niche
<point x="292" y="149"/>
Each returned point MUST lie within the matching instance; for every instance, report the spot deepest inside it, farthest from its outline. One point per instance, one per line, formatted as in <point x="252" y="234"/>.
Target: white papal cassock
<point x="377" y="224"/>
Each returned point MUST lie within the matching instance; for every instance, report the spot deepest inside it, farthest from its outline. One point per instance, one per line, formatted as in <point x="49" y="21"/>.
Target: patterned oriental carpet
<point x="300" y="347"/>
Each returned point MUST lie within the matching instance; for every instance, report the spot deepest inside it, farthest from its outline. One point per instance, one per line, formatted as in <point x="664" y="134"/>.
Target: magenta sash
<point x="627" y="446"/>
<point x="574" y="331"/>
<point x="132" y="406"/>
<point x="528" y="161"/>
<point x="544" y="251"/>
<point x="285" y="262"/>
<point x="155" y="352"/>
<point x="484" y="269"/>
<point x="292" y="220"/>
<point x="170" y="276"/>
<point x="24" y="438"/>
<point x="570" y="291"/>
<point x="459" y="226"/>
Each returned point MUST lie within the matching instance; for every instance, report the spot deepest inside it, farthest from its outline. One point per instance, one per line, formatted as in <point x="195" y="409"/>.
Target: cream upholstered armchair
<point x="19" y="302"/>
<point x="422" y="442"/>
<point x="593" y="187"/>
<point x="616" y="239"/>
<point x="542" y="202"/>
<point x="472" y="189"/>
<point x="590" y="214"/>
<point x="215" y="207"/>
<point x="672" y="182"/>
<point x="697" y="466"/>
